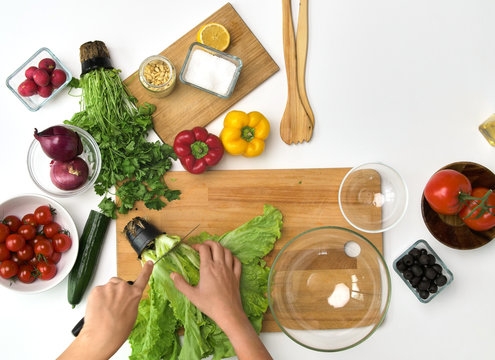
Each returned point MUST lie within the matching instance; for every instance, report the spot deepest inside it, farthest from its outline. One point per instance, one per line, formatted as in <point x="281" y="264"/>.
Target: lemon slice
<point x="214" y="35"/>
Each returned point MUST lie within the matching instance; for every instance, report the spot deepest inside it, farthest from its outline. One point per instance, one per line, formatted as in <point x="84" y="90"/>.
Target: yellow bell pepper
<point x="244" y="134"/>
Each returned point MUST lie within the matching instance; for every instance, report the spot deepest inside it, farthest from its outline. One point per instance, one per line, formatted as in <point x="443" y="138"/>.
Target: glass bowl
<point x="35" y="102"/>
<point x="210" y="70"/>
<point x="422" y="245"/>
<point x="25" y="204"/>
<point x="329" y="289"/>
<point x="39" y="165"/>
<point x="373" y="197"/>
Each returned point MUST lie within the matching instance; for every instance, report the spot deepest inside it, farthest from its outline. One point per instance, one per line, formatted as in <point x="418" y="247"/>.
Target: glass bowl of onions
<point x="64" y="160"/>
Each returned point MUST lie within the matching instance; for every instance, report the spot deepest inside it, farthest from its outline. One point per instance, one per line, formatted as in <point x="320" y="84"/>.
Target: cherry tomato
<point x="33" y="261"/>
<point x="38" y="237"/>
<point x="13" y="222"/>
<point x="61" y="242"/>
<point x="43" y="247"/>
<point x="28" y="232"/>
<point x="8" y="268"/>
<point x="25" y="253"/>
<point x="55" y="258"/>
<point x="51" y="229"/>
<point x="445" y="189"/>
<point x="487" y="219"/>
<point x="4" y="252"/>
<point x="47" y="270"/>
<point x="15" y="242"/>
<point x="15" y="258"/>
<point x="44" y="214"/>
<point x="4" y="232"/>
<point x="25" y="274"/>
<point x="29" y="219"/>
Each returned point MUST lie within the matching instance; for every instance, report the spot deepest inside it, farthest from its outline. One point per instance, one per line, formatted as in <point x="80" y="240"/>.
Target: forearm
<point x="246" y="342"/>
<point x="83" y="348"/>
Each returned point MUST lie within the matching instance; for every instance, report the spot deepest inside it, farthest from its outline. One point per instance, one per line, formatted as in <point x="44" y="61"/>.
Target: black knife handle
<point x="77" y="329"/>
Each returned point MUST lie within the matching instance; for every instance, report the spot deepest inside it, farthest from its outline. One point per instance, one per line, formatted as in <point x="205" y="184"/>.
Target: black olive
<point x="423" y="259"/>
<point x="423" y="251"/>
<point x="415" y="281"/>
<point x="441" y="280"/>
<point x="423" y="285"/>
<point x="430" y="273"/>
<point x="433" y="288"/>
<point x="408" y="274"/>
<point x="423" y="294"/>
<point x="417" y="270"/>
<point x="438" y="268"/>
<point x="415" y="253"/>
<point x="401" y="266"/>
<point x="408" y="260"/>
<point x="431" y="259"/>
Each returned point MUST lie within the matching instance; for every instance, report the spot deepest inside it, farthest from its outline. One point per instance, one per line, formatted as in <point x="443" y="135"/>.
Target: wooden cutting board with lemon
<point x="187" y="107"/>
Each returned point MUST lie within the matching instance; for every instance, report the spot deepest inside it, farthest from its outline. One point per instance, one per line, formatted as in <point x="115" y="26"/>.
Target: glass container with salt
<point x="210" y="70"/>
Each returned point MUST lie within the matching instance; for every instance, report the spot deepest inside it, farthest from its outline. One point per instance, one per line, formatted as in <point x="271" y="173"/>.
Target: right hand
<point x="217" y="294"/>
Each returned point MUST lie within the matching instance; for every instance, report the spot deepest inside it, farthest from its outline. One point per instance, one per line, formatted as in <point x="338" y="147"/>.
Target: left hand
<point x="110" y="316"/>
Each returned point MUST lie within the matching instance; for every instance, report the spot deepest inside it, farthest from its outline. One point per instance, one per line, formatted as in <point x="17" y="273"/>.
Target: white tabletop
<point x="402" y="82"/>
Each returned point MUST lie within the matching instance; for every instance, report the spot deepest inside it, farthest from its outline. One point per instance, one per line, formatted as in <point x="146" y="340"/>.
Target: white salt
<point x="210" y="72"/>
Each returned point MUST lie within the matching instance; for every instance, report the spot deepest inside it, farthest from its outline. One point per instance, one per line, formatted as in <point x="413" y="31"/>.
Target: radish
<point x="30" y="72"/>
<point x="45" y="91"/>
<point x="47" y="64"/>
<point x="27" y="88"/>
<point x="58" y="77"/>
<point x="41" y="77"/>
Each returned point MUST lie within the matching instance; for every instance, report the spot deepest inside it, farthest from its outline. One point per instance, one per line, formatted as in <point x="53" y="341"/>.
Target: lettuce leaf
<point x="154" y="335"/>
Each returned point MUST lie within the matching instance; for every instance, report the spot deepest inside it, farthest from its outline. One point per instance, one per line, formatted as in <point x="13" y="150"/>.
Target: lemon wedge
<point x="214" y="35"/>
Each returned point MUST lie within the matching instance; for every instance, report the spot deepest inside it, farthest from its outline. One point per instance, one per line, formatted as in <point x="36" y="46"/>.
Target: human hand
<point x="217" y="293"/>
<point x="110" y="316"/>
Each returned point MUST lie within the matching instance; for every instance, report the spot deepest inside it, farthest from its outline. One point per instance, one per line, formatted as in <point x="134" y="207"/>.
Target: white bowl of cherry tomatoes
<point x="38" y="243"/>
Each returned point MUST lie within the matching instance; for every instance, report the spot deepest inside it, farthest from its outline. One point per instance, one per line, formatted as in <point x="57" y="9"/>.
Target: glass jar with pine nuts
<point x="157" y="75"/>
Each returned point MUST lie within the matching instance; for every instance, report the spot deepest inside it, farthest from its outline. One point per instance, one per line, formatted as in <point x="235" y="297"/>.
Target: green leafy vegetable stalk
<point x="166" y="309"/>
<point x="129" y="162"/>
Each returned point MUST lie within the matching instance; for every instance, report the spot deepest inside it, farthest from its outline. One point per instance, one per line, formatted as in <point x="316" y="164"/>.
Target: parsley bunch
<point x="129" y="162"/>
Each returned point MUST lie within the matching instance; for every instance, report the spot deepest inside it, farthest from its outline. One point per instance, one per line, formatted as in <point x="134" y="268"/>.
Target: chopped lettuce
<point x="154" y="335"/>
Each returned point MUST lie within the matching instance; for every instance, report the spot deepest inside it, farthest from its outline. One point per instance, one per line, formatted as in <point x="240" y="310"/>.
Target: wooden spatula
<point x="296" y="126"/>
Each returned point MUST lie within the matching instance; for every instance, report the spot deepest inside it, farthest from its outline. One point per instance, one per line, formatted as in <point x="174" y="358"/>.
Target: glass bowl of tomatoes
<point x="38" y="243"/>
<point x="446" y="216"/>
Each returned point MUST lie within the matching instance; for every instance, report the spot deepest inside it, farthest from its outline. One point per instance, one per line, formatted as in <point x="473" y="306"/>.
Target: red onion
<point x="59" y="143"/>
<point x="69" y="175"/>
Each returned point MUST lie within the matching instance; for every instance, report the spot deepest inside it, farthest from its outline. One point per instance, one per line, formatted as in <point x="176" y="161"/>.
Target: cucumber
<point x="90" y="245"/>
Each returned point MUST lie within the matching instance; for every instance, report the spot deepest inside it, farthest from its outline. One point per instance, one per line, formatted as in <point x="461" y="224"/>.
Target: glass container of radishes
<point x="64" y="160"/>
<point x="39" y="79"/>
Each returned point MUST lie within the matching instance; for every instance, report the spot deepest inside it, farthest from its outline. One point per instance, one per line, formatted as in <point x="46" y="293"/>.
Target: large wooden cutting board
<point x="220" y="201"/>
<point x="186" y="106"/>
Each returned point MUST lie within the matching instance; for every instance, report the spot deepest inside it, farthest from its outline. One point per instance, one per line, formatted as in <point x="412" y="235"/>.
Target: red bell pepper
<point x="197" y="149"/>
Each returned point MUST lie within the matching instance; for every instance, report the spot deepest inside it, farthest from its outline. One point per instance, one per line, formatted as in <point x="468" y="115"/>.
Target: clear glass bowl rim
<point x="387" y="272"/>
<point x="406" y="193"/>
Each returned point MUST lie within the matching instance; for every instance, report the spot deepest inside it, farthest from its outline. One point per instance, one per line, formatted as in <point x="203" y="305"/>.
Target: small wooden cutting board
<point x="220" y="201"/>
<point x="187" y="107"/>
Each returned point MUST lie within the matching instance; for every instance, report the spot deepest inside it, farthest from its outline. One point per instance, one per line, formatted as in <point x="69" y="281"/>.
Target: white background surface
<point x="402" y="82"/>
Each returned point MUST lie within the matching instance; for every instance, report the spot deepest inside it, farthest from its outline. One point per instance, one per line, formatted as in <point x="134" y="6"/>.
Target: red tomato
<point x="29" y="219"/>
<point x="4" y="252"/>
<point x="47" y="270"/>
<point x="44" y="214"/>
<point x="51" y="229"/>
<point x="43" y="247"/>
<point x="487" y="219"/>
<point x="4" y="232"/>
<point x="444" y="190"/>
<point x="15" y="258"/>
<point x="13" y="222"/>
<point x="61" y="242"/>
<point x="8" y="268"/>
<point x="15" y="242"/>
<point x="33" y="242"/>
<point x="55" y="258"/>
<point x="26" y="253"/>
<point x="28" y="232"/>
<point x="33" y="261"/>
<point x="25" y="274"/>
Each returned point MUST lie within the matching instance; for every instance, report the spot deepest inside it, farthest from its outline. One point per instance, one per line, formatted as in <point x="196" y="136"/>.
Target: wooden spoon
<point x="301" y="52"/>
<point x="295" y="126"/>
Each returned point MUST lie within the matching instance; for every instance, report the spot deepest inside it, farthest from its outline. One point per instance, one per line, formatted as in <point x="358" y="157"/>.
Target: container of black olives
<point x="423" y="271"/>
